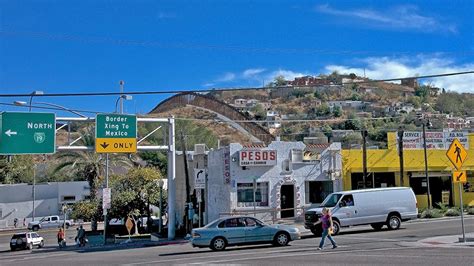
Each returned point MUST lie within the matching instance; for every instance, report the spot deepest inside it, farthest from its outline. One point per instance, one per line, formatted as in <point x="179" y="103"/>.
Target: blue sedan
<point x="232" y="231"/>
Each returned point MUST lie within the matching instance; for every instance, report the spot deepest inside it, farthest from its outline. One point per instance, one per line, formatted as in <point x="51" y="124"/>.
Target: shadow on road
<point x="231" y="249"/>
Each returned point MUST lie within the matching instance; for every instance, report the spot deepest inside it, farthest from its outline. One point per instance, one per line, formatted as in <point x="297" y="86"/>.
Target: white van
<point x="377" y="207"/>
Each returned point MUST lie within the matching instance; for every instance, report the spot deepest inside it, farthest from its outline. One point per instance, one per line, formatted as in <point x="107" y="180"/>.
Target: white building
<point x="16" y="201"/>
<point x="287" y="175"/>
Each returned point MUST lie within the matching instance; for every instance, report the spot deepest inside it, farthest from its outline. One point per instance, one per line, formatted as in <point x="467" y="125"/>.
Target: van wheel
<point x="218" y="244"/>
<point x="393" y="222"/>
<point x="377" y="226"/>
<point x="336" y="227"/>
<point x="35" y="228"/>
<point x="316" y="231"/>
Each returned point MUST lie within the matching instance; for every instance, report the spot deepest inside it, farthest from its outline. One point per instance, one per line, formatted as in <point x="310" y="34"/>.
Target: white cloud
<point x="386" y="68"/>
<point x="229" y="76"/>
<point x="288" y="74"/>
<point x="404" y="17"/>
<point x="252" y="72"/>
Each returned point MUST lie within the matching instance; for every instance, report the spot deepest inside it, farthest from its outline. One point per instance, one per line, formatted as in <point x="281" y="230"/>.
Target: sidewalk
<point x="448" y="241"/>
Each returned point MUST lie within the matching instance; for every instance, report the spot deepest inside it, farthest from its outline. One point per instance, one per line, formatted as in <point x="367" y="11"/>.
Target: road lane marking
<point x="300" y="254"/>
<point x="210" y="254"/>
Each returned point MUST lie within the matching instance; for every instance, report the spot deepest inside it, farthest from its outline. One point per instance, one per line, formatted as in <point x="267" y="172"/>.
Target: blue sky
<point x="88" y="46"/>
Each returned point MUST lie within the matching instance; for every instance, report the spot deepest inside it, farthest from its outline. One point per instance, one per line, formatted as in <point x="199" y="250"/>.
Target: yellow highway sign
<point x="456" y="154"/>
<point x="112" y="145"/>
<point x="459" y="177"/>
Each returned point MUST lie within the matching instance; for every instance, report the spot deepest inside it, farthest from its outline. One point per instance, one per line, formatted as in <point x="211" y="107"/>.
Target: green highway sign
<point x="27" y="133"/>
<point x="115" y="133"/>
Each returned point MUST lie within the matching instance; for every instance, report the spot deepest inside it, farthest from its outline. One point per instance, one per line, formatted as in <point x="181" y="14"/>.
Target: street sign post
<point x="199" y="178"/>
<point x="106" y="199"/>
<point x="457" y="154"/>
<point x="27" y="133"/>
<point x="115" y="133"/>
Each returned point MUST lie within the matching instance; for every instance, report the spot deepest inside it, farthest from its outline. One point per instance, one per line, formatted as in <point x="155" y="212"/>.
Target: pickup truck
<point x="48" y="222"/>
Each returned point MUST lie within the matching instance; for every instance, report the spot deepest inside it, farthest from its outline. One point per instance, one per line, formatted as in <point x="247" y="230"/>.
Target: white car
<point x="26" y="241"/>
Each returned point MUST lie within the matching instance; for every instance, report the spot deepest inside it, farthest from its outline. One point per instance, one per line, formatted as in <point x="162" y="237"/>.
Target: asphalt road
<point x="49" y="236"/>
<point x="358" y="246"/>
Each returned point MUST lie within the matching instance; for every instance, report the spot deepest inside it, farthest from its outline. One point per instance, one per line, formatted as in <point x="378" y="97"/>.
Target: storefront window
<point x="245" y="194"/>
<point x="317" y="191"/>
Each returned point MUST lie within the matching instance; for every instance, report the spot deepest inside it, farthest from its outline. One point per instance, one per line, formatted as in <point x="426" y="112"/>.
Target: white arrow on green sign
<point x="27" y="133"/>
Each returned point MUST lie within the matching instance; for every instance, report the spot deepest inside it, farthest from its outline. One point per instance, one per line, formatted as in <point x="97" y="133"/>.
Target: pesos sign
<point x="27" y="133"/>
<point x="457" y="154"/>
<point x="115" y="133"/>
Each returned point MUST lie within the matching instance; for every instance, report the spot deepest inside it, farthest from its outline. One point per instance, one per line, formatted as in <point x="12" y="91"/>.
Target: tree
<point x="18" y="170"/>
<point x="259" y="111"/>
<point x="423" y="92"/>
<point x="337" y="111"/>
<point x="279" y="81"/>
<point x="133" y="193"/>
<point x="323" y="110"/>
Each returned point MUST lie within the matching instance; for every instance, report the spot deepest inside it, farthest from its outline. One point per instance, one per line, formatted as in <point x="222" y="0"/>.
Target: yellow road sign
<point x="456" y="154"/>
<point x="116" y="145"/>
<point x="459" y="176"/>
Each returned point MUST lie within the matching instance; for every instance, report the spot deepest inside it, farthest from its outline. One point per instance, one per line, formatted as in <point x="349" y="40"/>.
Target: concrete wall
<point x="16" y="201"/>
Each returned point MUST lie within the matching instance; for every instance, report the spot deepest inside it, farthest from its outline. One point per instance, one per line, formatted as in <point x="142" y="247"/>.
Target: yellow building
<point x="383" y="169"/>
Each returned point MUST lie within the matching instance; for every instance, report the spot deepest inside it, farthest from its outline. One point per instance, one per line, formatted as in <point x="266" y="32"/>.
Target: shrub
<point x="453" y="212"/>
<point x="470" y="210"/>
<point x="431" y="213"/>
<point x="443" y="208"/>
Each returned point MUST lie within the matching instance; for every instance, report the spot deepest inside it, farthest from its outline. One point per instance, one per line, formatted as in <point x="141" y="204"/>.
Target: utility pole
<point x="426" y="165"/>
<point x="188" y="189"/>
<point x="171" y="179"/>
<point x="400" y="153"/>
<point x="364" y="156"/>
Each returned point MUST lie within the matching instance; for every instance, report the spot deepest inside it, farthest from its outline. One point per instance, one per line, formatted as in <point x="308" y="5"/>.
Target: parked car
<point x="377" y="207"/>
<point x="48" y="222"/>
<point x="242" y="230"/>
<point x="26" y="241"/>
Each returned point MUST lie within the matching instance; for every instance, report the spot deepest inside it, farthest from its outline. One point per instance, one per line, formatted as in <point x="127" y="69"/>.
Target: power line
<point x="221" y="89"/>
<point x="232" y="48"/>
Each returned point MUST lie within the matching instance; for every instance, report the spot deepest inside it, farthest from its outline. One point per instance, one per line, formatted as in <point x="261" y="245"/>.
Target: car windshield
<point x="16" y="236"/>
<point x="331" y="200"/>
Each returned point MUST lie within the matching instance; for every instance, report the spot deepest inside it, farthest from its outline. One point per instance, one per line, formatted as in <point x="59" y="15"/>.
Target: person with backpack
<point x="326" y="224"/>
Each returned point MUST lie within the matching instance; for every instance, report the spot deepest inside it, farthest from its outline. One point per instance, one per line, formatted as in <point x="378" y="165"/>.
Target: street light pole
<point x="33" y="94"/>
<point x="426" y="166"/>
<point x="121" y="99"/>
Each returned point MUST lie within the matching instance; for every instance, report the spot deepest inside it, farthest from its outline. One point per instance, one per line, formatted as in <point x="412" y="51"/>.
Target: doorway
<point x="287" y="200"/>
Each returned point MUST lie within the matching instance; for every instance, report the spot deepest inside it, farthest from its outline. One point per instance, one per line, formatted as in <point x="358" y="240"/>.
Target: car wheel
<point x="377" y="226"/>
<point x="13" y="249"/>
<point x="218" y="244"/>
<point x="35" y="228"/>
<point x="41" y="244"/>
<point x="67" y="226"/>
<point x="281" y="239"/>
<point x="393" y="222"/>
<point x="336" y="227"/>
<point x="30" y="246"/>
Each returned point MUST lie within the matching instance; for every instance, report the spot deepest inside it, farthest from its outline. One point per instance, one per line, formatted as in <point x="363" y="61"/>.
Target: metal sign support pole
<point x="106" y="186"/>
<point x="462" y="214"/>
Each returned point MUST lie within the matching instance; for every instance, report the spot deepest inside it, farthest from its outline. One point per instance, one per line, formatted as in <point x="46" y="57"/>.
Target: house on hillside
<point x="273" y="119"/>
